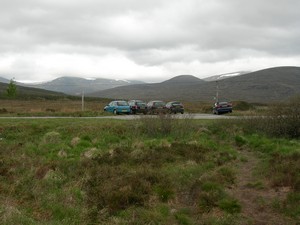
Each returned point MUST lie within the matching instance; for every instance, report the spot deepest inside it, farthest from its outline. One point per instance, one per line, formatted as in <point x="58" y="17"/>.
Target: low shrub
<point x="166" y="125"/>
<point x="52" y="137"/>
<point x="226" y="175"/>
<point x="183" y="218"/>
<point x="230" y="205"/>
<point x="281" y="120"/>
<point x="3" y="111"/>
<point x="118" y="188"/>
<point x="154" y="126"/>
<point x="164" y="191"/>
<point x="208" y="195"/>
<point x="285" y="170"/>
<point x="240" y="140"/>
<point x="291" y="205"/>
<point x="243" y="106"/>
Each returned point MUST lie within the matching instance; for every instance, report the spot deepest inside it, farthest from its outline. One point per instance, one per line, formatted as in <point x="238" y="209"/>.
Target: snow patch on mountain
<point x="225" y="76"/>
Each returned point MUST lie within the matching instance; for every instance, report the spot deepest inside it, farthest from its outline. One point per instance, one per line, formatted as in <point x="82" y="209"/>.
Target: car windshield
<point x="123" y="103"/>
<point x="159" y="103"/>
<point x="223" y="103"/>
<point x="141" y="103"/>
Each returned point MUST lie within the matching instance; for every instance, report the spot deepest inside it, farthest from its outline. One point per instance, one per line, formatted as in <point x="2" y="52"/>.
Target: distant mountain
<point x="75" y="85"/>
<point x="268" y="85"/>
<point x="3" y="80"/>
<point x="169" y="89"/>
<point x="183" y="79"/>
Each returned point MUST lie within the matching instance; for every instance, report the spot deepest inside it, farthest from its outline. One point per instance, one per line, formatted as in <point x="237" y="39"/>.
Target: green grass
<point x="66" y="171"/>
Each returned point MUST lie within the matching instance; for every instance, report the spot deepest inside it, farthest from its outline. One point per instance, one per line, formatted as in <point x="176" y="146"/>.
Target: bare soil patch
<point x="256" y="195"/>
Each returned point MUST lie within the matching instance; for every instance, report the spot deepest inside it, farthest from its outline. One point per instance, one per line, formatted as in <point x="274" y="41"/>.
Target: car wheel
<point x="115" y="112"/>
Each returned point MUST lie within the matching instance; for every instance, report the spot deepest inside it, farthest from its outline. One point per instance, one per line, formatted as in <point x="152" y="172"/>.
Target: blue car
<point x="118" y="107"/>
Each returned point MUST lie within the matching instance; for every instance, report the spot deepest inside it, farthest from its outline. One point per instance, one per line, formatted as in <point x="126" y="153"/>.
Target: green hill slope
<point x="26" y="92"/>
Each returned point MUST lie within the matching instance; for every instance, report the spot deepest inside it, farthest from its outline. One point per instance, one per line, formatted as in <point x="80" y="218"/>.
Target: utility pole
<point x="217" y="92"/>
<point x="82" y="101"/>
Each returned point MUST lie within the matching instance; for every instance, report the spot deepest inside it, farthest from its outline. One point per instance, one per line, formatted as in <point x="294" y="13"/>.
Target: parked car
<point x="118" y="107"/>
<point x="222" y="107"/>
<point x="156" y="107"/>
<point x="175" y="107"/>
<point x="137" y="106"/>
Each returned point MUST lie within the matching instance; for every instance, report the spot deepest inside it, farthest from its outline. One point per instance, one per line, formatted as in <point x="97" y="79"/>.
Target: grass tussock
<point x="285" y="170"/>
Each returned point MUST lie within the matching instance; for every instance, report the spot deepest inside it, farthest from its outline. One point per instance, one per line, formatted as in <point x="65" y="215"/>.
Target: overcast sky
<point x="149" y="40"/>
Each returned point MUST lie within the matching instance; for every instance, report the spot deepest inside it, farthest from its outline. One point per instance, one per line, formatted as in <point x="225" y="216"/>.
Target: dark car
<point x="222" y="107"/>
<point x="118" y="107"/>
<point x="137" y="106"/>
<point x="156" y="107"/>
<point x="175" y="107"/>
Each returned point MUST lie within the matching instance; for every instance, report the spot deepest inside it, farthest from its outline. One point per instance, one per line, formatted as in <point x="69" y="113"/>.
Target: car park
<point x="222" y="107"/>
<point x="156" y="107"/>
<point x="118" y="107"/>
<point x="175" y="107"/>
<point x="137" y="106"/>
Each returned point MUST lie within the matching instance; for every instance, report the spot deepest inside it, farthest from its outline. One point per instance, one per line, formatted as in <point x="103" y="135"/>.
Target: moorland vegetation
<point x="152" y="170"/>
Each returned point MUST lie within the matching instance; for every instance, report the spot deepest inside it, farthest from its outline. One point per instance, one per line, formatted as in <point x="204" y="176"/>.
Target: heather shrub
<point x="285" y="170"/>
<point x="281" y="120"/>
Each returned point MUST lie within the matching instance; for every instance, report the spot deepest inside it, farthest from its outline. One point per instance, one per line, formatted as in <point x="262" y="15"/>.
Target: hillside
<point x="273" y="84"/>
<point x="27" y="92"/>
<point x="168" y="89"/>
<point x="76" y="85"/>
<point x="3" y="80"/>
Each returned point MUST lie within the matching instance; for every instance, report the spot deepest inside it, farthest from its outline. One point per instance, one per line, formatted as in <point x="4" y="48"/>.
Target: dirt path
<point x="255" y="194"/>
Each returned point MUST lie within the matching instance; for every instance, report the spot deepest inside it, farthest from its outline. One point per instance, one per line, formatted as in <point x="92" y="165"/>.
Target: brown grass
<point x="40" y="106"/>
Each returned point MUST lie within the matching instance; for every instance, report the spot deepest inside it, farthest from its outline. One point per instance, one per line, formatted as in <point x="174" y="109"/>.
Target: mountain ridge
<point x="267" y="85"/>
<point x="77" y="85"/>
<point x="225" y="75"/>
<point x="184" y="78"/>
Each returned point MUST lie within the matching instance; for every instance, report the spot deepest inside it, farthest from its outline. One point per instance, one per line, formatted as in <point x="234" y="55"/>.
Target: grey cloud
<point x="208" y="25"/>
<point x="152" y="33"/>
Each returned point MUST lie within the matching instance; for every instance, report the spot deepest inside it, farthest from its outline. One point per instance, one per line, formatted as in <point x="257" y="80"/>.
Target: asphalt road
<point x="132" y="117"/>
<point x="176" y="116"/>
